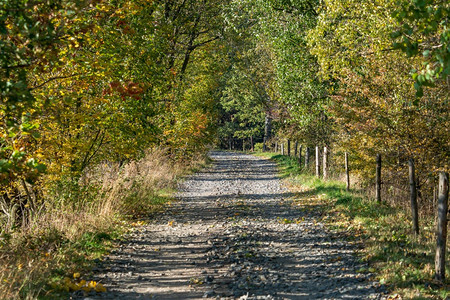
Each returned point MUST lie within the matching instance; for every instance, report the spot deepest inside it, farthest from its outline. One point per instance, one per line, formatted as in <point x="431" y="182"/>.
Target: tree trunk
<point x="295" y="148"/>
<point x="413" y="197"/>
<point x="267" y="131"/>
<point x="282" y="148"/>
<point x="347" y="171"/>
<point x="289" y="148"/>
<point x="300" y="155"/>
<point x="378" y="179"/>
<point x="307" y="155"/>
<point x="251" y="143"/>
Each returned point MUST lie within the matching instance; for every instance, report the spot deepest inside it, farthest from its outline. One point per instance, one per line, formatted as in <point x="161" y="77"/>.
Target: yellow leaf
<point x="76" y="275"/>
<point x="82" y="283"/>
<point x="100" y="288"/>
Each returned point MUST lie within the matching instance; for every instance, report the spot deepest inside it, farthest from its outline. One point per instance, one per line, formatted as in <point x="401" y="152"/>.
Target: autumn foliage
<point x="83" y="82"/>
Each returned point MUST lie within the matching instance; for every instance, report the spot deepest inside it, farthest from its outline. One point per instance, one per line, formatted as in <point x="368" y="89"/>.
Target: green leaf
<point x="419" y="92"/>
<point x="5" y="165"/>
<point x="41" y="168"/>
<point x="36" y="134"/>
<point x="17" y="154"/>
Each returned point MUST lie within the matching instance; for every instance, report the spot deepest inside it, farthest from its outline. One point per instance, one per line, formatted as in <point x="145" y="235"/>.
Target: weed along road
<point x="235" y="234"/>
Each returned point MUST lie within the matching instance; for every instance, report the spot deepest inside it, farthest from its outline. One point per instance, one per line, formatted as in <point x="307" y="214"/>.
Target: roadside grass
<point x="34" y="263"/>
<point x="399" y="260"/>
<point x="55" y="253"/>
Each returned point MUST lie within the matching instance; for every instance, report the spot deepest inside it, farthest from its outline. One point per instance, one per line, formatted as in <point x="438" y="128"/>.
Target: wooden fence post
<point x="289" y="148"/>
<point x="347" y="171"/>
<point x="307" y="155"/>
<point x="300" y="155"/>
<point x="282" y="148"/>
<point x="325" y="162"/>
<point x="317" y="161"/>
<point x="413" y="196"/>
<point x="378" y="179"/>
<point x="441" y="231"/>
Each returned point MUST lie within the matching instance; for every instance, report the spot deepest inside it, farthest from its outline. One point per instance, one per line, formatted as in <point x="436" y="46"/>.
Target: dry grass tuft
<point x="65" y="235"/>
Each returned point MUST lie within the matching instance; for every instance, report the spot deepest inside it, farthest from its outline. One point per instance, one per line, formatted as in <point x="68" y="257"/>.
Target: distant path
<point x="234" y="234"/>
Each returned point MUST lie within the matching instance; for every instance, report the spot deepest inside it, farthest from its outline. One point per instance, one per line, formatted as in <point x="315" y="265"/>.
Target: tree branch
<point x="86" y="157"/>
<point x="203" y="43"/>
<point x="52" y="79"/>
<point x="17" y="66"/>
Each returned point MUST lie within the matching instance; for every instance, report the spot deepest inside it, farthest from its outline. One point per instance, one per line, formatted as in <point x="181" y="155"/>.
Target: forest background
<point x="104" y="102"/>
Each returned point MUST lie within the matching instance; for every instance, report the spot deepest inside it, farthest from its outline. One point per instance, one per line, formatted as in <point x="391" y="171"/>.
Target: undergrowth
<point x="399" y="259"/>
<point x="80" y="222"/>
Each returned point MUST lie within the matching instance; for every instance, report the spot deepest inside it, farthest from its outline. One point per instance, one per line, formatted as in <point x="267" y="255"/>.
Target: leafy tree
<point x="85" y="82"/>
<point x="31" y="34"/>
<point x="374" y="102"/>
<point x="247" y="87"/>
<point x="423" y="30"/>
<point x="302" y="94"/>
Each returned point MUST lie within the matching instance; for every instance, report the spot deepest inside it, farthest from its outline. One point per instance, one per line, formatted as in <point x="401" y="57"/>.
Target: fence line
<point x="440" y="195"/>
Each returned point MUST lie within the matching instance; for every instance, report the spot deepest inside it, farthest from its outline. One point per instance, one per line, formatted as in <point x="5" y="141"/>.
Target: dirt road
<point x="234" y="235"/>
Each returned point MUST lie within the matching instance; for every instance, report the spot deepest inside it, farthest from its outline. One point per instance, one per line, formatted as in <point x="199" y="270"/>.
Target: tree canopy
<point x="86" y="81"/>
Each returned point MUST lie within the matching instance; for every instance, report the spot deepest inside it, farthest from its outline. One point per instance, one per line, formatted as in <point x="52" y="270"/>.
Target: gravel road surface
<point x="234" y="235"/>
